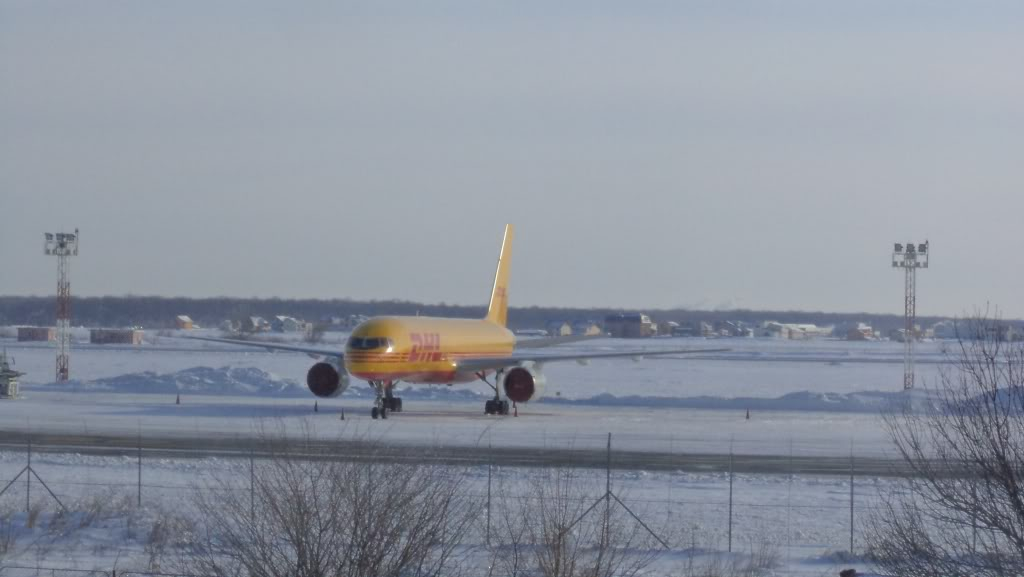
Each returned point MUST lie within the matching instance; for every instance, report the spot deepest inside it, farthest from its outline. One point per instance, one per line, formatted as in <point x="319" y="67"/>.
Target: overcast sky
<point x="652" y="154"/>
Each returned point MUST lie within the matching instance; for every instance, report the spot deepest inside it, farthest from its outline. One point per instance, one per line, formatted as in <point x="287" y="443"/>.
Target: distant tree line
<point x="160" y="312"/>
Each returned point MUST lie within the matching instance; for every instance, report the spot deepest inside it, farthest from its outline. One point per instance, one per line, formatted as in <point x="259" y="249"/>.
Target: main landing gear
<point x="385" y="402"/>
<point x="497" y="405"/>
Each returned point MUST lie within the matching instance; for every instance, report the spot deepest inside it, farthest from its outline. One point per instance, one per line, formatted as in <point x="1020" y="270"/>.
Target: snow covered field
<point x="760" y="368"/>
<point x="820" y="397"/>
<point x="805" y="398"/>
<point x="804" y="520"/>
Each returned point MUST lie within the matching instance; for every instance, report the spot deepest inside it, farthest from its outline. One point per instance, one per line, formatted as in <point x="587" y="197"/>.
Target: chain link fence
<point x="805" y="505"/>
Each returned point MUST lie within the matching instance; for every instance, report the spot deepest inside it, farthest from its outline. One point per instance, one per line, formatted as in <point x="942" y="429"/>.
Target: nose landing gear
<point x="385" y="402"/>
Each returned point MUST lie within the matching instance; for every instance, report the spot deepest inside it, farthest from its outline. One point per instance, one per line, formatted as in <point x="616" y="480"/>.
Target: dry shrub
<point x="310" y="513"/>
<point x="560" y="527"/>
<point x="961" y="511"/>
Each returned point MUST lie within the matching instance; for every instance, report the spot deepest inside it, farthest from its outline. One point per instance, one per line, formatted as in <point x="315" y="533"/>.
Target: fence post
<point x="671" y="452"/>
<point x="252" y="485"/>
<point x="28" y="481"/>
<point x="608" y="490"/>
<point x="140" y="469"/>
<point x="851" y="499"/>
<point x="490" y="458"/>
<point x="730" y="496"/>
<point x="789" y="506"/>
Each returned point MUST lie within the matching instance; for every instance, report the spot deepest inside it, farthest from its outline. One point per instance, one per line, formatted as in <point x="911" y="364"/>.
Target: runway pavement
<point x="244" y="447"/>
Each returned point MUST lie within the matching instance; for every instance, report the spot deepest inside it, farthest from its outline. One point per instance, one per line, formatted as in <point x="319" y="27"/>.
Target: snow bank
<point x="860" y="402"/>
<point x="251" y="381"/>
<point x="196" y="380"/>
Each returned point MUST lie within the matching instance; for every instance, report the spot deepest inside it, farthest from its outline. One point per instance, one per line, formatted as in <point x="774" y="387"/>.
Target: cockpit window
<point x="369" y="343"/>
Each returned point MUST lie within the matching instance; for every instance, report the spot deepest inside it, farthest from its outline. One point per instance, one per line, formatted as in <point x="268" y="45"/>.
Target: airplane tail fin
<point x="497" y="311"/>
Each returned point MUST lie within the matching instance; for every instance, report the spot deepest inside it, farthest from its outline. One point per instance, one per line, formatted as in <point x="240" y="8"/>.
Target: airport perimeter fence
<point x="49" y="571"/>
<point x="800" y="504"/>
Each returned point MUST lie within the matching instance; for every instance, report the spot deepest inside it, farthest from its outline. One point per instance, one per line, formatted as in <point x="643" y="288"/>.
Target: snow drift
<point x="250" y="381"/>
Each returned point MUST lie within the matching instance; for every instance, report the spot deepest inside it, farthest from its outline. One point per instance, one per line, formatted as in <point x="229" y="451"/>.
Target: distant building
<point x="284" y="324"/>
<point x="115" y="337"/>
<point x="1002" y="332"/>
<point x="704" y="329"/>
<point x="970" y="330"/>
<point x="900" y="335"/>
<point x="630" y="326"/>
<point x="559" y="329"/>
<point x="861" y="332"/>
<point x="794" y="332"/>
<point x="667" y="327"/>
<point x="586" y="328"/>
<point x="183" y="322"/>
<point x="350" y="322"/>
<point x="37" y="334"/>
<point x="944" y="330"/>
<point x="771" y="330"/>
<point x="685" y="330"/>
<point x="253" y="325"/>
<point x="731" y="329"/>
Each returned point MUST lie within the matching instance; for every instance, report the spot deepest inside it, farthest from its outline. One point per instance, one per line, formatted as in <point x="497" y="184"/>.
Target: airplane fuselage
<point x="422" y="350"/>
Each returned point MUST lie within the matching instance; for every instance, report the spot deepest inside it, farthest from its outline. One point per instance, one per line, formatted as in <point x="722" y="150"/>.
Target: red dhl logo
<point x="426" y="347"/>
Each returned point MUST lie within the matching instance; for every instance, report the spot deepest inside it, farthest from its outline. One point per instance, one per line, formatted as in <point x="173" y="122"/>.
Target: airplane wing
<point x="273" y="346"/>
<point x="545" y="342"/>
<point x="495" y="363"/>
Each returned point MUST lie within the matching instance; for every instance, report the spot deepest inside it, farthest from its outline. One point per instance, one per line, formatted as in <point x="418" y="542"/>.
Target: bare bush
<point x="962" y="510"/>
<point x="310" y="514"/>
<point x="34" y="511"/>
<point x="168" y="532"/>
<point x="560" y="527"/>
<point x="8" y="532"/>
<point x="109" y="504"/>
<point x="761" y="561"/>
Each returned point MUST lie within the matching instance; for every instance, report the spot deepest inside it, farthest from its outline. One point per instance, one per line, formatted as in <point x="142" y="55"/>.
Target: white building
<point x="793" y="332"/>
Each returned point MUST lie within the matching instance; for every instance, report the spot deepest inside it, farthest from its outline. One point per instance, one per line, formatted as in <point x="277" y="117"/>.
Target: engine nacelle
<point x="524" y="383"/>
<point x="327" y="380"/>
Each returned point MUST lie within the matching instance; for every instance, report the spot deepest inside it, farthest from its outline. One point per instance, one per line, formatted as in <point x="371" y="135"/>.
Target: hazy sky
<point x="651" y="154"/>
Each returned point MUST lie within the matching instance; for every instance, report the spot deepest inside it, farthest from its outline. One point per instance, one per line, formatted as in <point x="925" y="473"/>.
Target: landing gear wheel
<point x="496" y="407"/>
<point x="374" y="412"/>
<point x="384" y="412"/>
<point x="393" y="404"/>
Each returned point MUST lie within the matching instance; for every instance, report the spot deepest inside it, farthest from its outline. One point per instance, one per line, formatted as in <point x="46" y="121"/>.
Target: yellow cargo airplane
<point x="427" y="350"/>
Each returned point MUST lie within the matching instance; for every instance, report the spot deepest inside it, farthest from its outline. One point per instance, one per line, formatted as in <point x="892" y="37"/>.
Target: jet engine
<point x="326" y="379"/>
<point x="524" y="383"/>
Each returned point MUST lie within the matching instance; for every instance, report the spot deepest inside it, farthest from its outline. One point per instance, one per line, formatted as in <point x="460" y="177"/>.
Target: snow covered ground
<point x="821" y="397"/>
<point x="804" y="520"/>
<point x="805" y="398"/>
<point x="761" y="368"/>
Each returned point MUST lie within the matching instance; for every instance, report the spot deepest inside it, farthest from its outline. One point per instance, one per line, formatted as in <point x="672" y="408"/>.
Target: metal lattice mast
<point x="910" y="259"/>
<point x="63" y="246"/>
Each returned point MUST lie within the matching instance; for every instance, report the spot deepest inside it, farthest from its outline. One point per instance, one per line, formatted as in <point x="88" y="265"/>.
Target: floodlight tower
<point x="909" y="258"/>
<point x="63" y="246"/>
